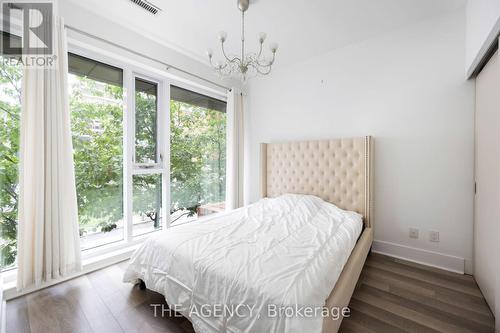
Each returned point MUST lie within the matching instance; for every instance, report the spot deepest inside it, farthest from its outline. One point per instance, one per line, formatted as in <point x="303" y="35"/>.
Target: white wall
<point x="82" y="19"/>
<point x="483" y="16"/>
<point x="407" y="89"/>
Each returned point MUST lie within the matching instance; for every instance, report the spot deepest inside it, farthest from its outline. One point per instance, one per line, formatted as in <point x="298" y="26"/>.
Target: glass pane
<point x="147" y="204"/>
<point x="10" y="110"/>
<point x="96" y="105"/>
<point x="145" y="121"/>
<point x="197" y="155"/>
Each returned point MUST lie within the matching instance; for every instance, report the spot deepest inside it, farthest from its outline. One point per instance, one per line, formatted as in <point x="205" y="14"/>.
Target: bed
<point x="304" y="244"/>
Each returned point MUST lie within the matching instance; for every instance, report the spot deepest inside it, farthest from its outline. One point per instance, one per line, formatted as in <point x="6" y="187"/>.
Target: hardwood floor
<point x="398" y="296"/>
<point x="392" y="296"/>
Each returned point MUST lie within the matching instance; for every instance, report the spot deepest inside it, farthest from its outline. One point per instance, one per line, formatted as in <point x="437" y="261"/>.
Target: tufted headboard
<point x="338" y="171"/>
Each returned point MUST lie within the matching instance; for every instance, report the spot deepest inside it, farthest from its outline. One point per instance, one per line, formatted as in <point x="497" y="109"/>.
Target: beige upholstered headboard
<point x="338" y="171"/>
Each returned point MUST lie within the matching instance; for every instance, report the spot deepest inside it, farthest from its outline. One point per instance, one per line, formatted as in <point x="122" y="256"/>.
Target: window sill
<point x="92" y="261"/>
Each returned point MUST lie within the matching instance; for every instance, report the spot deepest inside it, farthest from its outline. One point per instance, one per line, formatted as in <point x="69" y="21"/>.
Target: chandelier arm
<point x="214" y="66"/>
<point x="260" y="51"/>
<point x="225" y="56"/>
<point x="269" y="64"/>
<point x="217" y="68"/>
<point x="258" y="69"/>
<point x="260" y="64"/>
<point x="225" y="70"/>
<point x="211" y="62"/>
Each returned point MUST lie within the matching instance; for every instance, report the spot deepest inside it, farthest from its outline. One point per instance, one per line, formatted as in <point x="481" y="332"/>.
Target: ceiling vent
<point x="147" y="6"/>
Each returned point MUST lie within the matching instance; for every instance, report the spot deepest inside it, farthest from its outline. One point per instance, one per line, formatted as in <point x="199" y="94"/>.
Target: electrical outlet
<point x="434" y="236"/>
<point x="413" y="233"/>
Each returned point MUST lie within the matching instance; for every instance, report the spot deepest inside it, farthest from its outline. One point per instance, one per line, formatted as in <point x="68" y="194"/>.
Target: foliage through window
<point x="96" y="104"/>
<point x="10" y="111"/>
<point x="146" y="105"/>
<point x="147" y="203"/>
<point x="96" y="94"/>
<point x="197" y="155"/>
<point x="146" y="189"/>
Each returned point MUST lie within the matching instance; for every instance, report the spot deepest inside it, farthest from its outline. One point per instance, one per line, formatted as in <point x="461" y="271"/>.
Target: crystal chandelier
<point x="247" y="63"/>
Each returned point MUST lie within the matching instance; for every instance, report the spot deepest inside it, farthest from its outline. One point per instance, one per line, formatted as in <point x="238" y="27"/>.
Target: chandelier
<point x="247" y="63"/>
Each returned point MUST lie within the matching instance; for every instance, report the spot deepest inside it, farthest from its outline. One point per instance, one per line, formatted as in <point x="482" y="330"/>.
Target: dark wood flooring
<point x="398" y="296"/>
<point x="392" y="296"/>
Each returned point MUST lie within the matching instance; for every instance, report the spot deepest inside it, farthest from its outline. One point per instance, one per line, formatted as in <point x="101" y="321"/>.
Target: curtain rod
<point x="145" y="56"/>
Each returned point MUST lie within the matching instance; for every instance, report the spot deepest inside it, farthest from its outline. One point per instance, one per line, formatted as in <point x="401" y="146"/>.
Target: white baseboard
<point x="419" y="256"/>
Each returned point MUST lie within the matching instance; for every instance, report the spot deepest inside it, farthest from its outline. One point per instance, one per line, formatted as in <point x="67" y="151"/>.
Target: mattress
<point x="254" y="269"/>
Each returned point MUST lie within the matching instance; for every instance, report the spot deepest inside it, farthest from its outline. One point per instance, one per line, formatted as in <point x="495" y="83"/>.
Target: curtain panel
<point x="48" y="233"/>
<point x="234" y="160"/>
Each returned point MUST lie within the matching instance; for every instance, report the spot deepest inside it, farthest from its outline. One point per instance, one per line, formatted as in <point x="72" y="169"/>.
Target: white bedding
<point x="277" y="252"/>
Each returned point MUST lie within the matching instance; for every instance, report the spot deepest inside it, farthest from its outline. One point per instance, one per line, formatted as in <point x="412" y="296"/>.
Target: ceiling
<point x="303" y="28"/>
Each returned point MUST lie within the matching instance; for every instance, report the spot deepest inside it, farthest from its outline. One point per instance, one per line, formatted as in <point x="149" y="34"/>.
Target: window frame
<point x="133" y="69"/>
<point x="104" y="255"/>
<point x="188" y="86"/>
<point x="104" y="60"/>
<point x="130" y="168"/>
<point x="147" y="168"/>
<point x="161" y="167"/>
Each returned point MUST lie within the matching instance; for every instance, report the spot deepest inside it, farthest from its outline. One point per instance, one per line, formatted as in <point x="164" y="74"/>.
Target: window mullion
<point x="164" y="130"/>
<point x="128" y="143"/>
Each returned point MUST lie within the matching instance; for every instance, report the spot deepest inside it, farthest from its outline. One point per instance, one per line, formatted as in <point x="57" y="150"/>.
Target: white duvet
<point x="236" y="271"/>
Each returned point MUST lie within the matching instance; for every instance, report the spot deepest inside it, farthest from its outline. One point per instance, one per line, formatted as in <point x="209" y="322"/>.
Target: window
<point x="123" y="185"/>
<point x="147" y="203"/>
<point x="147" y="180"/>
<point x="146" y="107"/>
<point x="96" y="103"/>
<point x="10" y="110"/>
<point x="197" y="155"/>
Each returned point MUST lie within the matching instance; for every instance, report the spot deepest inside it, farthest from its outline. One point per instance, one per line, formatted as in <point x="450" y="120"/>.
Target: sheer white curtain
<point x="234" y="158"/>
<point x="48" y="236"/>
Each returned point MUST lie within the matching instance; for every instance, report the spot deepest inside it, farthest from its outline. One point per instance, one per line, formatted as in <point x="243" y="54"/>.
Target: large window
<point x="96" y="103"/>
<point x="197" y="155"/>
<point x="10" y="110"/>
<point x="123" y="124"/>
